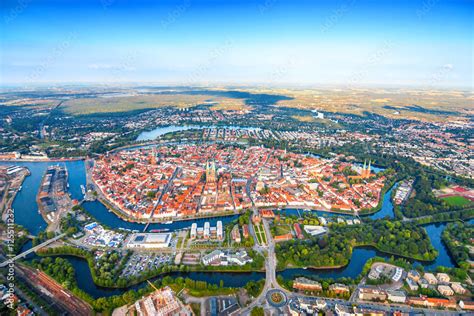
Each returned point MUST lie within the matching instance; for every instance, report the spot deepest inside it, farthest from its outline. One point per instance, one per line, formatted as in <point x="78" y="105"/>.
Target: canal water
<point x="103" y="215"/>
<point x="26" y="214"/>
<point x="25" y="206"/>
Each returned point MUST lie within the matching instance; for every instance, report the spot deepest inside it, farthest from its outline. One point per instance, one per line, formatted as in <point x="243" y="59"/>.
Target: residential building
<point x="207" y="230"/>
<point x="299" y="233"/>
<point x="432" y="280"/>
<point x="396" y="296"/>
<point x="305" y="284"/>
<point x="467" y="305"/>
<point x="414" y="275"/>
<point x="423" y="283"/>
<point x="220" y="231"/>
<point x="370" y="294"/>
<point x="245" y="231"/>
<point x="445" y="290"/>
<point x="412" y="284"/>
<point x="284" y="237"/>
<point x="193" y="233"/>
<point x="339" y="288"/>
<point x="342" y="310"/>
<point x="458" y="288"/>
<point x="443" y="277"/>
<point x="431" y="302"/>
<point x="236" y="234"/>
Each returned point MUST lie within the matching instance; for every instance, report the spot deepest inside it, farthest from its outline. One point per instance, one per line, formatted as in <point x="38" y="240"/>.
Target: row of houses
<point x="305" y="284"/>
<point x="440" y="281"/>
<point x="395" y="296"/>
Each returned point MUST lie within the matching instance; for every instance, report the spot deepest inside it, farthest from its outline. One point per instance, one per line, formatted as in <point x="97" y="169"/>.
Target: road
<point x="331" y="302"/>
<point x="163" y="192"/>
<point x="33" y="249"/>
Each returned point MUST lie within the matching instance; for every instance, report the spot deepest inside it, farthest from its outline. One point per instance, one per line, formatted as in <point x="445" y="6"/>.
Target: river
<point x="26" y="214"/>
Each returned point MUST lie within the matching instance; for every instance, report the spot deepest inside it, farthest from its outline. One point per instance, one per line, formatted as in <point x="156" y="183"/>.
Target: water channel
<point x="26" y="214"/>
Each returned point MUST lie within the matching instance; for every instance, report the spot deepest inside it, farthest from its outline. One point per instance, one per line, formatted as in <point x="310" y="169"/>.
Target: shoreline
<point x="136" y="282"/>
<point x="366" y="246"/>
<point x="44" y="160"/>
<point x="9" y="203"/>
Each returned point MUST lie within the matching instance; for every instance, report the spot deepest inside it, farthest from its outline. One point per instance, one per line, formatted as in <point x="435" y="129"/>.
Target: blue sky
<point x="349" y="43"/>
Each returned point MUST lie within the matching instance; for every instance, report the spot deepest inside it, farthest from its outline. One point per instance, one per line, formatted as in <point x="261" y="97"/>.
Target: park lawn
<point x="260" y="233"/>
<point x="282" y="229"/>
<point x="457" y="201"/>
<point x="257" y="233"/>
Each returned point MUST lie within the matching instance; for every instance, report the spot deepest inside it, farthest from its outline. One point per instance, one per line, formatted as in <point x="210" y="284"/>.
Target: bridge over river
<point x="33" y="249"/>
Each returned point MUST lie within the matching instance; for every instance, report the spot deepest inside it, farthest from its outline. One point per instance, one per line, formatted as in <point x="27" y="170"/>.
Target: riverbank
<point x="382" y="199"/>
<point x="44" y="160"/>
<point x="70" y="251"/>
<point x="360" y="246"/>
<point x="16" y="186"/>
<point x="115" y="209"/>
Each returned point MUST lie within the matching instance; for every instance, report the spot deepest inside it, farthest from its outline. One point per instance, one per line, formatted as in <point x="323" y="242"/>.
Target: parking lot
<point x="140" y="262"/>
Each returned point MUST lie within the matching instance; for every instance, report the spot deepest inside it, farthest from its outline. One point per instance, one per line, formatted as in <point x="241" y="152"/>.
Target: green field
<point x="282" y="229"/>
<point x="260" y="233"/>
<point x="457" y="201"/>
<point x="142" y="102"/>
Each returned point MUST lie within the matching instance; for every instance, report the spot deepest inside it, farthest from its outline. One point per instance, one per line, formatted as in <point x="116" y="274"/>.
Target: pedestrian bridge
<point x="33" y="249"/>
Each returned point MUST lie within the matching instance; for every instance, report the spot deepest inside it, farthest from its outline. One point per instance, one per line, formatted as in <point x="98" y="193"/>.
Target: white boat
<point x="19" y="189"/>
<point x="83" y="189"/>
<point x="168" y="222"/>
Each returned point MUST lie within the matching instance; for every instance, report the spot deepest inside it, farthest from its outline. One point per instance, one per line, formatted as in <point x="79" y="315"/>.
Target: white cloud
<point x="111" y="67"/>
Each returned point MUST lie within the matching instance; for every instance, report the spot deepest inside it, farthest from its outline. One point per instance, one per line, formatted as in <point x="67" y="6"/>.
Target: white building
<point x="412" y="285"/>
<point x="398" y="274"/>
<point x="207" y="230"/>
<point x="213" y="256"/>
<point x="445" y="290"/>
<point x="220" y="233"/>
<point x="314" y="230"/>
<point x="322" y="221"/>
<point x="430" y="278"/>
<point x="443" y="277"/>
<point x="193" y="231"/>
<point x="458" y="288"/>
<point x="396" y="296"/>
<point x="149" y="240"/>
<point x="219" y="257"/>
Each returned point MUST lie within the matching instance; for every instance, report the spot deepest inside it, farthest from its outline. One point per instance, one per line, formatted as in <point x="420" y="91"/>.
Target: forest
<point x="335" y="249"/>
<point x="457" y="237"/>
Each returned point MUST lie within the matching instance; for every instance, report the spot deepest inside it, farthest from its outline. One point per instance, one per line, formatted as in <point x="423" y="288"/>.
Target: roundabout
<point x="276" y="298"/>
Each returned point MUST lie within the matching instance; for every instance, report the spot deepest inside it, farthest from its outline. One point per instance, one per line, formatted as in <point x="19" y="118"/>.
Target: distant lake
<point x="159" y="131"/>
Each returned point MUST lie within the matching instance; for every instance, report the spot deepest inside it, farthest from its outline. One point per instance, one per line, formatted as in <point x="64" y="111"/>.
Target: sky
<point x="427" y="43"/>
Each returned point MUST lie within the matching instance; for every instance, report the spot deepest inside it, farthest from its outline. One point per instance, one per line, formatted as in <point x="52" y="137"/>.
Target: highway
<point x="33" y="249"/>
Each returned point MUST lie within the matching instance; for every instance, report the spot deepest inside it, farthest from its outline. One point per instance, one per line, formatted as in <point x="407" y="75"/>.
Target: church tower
<point x="153" y="156"/>
<point x="210" y="172"/>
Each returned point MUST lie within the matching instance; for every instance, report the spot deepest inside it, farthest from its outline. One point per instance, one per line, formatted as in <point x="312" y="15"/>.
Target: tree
<point x="257" y="311"/>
